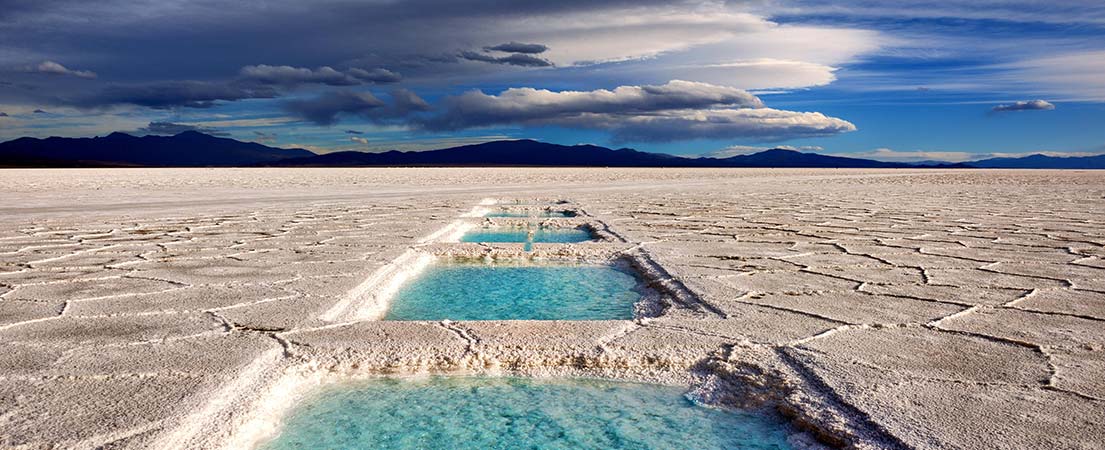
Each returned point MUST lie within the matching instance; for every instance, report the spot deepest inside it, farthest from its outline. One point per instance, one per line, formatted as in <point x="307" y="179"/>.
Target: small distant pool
<point x="481" y="291"/>
<point x="522" y="235"/>
<point x="500" y="413"/>
<point x="526" y="214"/>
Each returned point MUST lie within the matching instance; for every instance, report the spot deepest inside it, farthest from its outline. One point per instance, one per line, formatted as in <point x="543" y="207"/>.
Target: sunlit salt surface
<point x="523" y="235"/>
<point x="501" y="413"/>
<point x="525" y="214"/>
<point x="479" y="291"/>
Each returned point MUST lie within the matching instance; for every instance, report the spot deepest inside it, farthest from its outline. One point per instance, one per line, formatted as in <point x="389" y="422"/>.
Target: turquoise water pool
<point x="526" y="214"/>
<point x="510" y="413"/>
<point x="480" y="291"/>
<point x="522" y="235"/>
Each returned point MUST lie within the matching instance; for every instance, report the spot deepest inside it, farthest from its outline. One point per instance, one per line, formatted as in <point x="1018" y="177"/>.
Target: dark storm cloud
<point x="325" y="109"/>
<point x="377" y="75"/>
<point x="39" y="111"/>
<point x="294" y="76"/>
<point x="328" y="108"/>
<point x="405" y="102"/>
<point x="1030" y="105"/>
<point x="195" y="40"/>
<point x="517" y="47"/>
<point x="516" y="59"/>
<point x="3" y="114"/>
<point x="353" y="132"/>
<point x="170" y="128"/>
<point x="170" y="94"/>
<point x="288" y="76"/>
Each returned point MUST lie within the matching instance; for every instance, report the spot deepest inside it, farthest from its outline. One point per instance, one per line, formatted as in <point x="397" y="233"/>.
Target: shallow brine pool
<point x="481" y="291"/>
<point x="485" y="413"/>
<point x="526" y="214"/>
<point x="523" y="235"/>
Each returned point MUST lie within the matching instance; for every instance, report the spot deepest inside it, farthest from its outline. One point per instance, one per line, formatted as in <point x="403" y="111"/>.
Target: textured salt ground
<point x="926" y="309"/>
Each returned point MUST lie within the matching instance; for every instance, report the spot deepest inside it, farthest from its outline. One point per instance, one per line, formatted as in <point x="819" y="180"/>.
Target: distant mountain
<point x="533" y="153"/>
<point x="187" y="149"/>
<point x="496" y="153"/>
<point x="1042" y="162"/>
<point x="789" y="158"/>
<point x="194" y="149"/>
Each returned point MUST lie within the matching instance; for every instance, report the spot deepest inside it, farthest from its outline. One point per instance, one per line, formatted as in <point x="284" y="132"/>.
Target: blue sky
<point x="893" y="80"/>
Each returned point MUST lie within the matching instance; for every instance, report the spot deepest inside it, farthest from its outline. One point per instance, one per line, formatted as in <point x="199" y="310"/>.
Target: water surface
<point x="527" y="214"/>
<point x="511" y="413"/>
<point x="523" y="235"/>
<point x="479" y="291"/>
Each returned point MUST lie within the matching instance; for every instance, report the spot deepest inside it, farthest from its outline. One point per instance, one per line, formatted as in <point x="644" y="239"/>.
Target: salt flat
<point x="186" y="308"/>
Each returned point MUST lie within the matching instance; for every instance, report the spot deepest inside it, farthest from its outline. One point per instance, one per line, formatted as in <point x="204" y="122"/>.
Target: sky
<point x="901" y="80"/>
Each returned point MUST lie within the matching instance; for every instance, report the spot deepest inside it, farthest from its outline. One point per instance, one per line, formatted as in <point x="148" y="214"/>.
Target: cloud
<point x="517" y="47"/>
<point x="516" y="59"/>
<point x="294" y="76"/>
<point x="264" y="138"/>
<point x="523" y="105"/>
<point x="169" y="94"/>
<point x="326" y="108"/>
<point x="3" y="114"/>
<point x="678" y="110"/>
<point x="289" y="76"/>
<point x="353" y="132"/>
<point x="39" y="111"/>
<point x="359" y="140"/>
<point x="377" y="75"/>
<point x="170" y="128"/>
<point x="1028" y="11"/>
<point x="54" y="68"/>
<point x="405" y="102"/>
<point x="1030" y="105"/>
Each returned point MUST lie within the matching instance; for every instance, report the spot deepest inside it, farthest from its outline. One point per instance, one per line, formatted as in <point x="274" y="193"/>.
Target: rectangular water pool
<point x="495" y="413"/>
<point x="524" y="235"/>
<point x="527" y="214"/>
<point x="500" y="291"/>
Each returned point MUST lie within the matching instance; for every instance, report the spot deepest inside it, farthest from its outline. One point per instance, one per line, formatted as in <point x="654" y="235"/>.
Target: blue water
<point x="478" y="291"/>
<point x="522" y="235"/>
<point x="510" y="413"/>
<point x="525" y="214"/>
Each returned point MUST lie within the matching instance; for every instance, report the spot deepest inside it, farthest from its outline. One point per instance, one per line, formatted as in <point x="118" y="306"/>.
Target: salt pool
<point x="527" y="214"/>
<point x="523" y="235"/>
<point x="502" y="291"/>
<point x="500" y="413"/>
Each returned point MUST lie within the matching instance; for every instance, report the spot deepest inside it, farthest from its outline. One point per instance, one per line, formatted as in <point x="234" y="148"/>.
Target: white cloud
<point x="677" y="110"/>
<point x="1073" y="76"/>
<point x="1029" y="105"/>
<point x="54" y="68"/>
<point x="359" y="140"/>
<point x="1065" y="12"/>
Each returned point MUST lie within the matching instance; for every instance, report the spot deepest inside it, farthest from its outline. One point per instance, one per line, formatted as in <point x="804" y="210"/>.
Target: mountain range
<point x="187" y="149"/>
<point x="195" y="149"/>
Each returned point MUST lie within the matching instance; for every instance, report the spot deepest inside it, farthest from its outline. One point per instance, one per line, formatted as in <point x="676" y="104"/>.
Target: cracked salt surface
<point x="170" y="308"/>
<point x="481" y="413"/>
